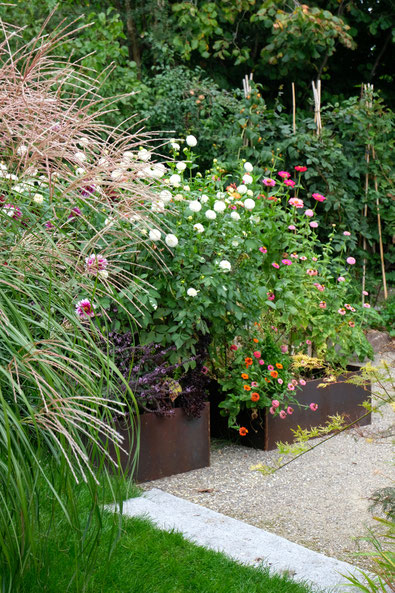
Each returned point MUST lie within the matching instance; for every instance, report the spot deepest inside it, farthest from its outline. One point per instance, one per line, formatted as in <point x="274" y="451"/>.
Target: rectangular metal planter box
<point x="266" y="430"/>
<point x="168" y="445"/>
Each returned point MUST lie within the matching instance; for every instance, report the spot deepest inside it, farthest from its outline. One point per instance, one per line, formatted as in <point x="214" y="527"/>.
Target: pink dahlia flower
<point x="85" y="308"/>
<point x="313" y="407"/>
<point x="95" y="263"/>
<point x="269" y="182"/>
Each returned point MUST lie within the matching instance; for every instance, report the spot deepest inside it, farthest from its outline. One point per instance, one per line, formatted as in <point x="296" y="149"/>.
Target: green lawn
<point x="144" y="560"/>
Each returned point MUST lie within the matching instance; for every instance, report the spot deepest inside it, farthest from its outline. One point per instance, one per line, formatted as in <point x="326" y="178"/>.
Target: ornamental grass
<point x="69" y="186"/>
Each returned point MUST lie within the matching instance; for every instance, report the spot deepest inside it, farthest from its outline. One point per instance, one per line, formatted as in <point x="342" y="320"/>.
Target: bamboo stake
<point x="380" y="234"/>
<point x="317" y="105"/>
<point x="293" y="107"/>
<point x="367" y="90"/>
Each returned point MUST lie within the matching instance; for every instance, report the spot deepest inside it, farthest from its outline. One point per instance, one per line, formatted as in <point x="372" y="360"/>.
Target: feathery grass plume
<point x="69" y="187"/>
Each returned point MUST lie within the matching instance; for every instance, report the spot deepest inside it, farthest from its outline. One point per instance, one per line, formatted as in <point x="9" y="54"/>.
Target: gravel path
<point x="319" y="501"/>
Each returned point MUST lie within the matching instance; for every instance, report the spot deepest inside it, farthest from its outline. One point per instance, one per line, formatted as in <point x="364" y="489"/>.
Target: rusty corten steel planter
<point x="168" y="445"/>
<point x="266" y="430"/>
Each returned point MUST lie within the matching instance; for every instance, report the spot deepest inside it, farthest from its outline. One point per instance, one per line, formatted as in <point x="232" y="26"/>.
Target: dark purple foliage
<point x="158" y="385"/>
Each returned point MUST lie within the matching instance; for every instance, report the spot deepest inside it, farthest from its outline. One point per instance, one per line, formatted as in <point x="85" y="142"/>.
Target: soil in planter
<point x="266" y="430"/>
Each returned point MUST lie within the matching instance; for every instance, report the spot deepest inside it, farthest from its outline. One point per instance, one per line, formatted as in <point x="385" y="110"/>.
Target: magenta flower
<point x="341" y="311"/>
<point x="275" y="403"/>
<point x="261" y="361"/>
<point x="88" y="190"/>
<point x="275" y="265"/>
<point x="313" y="407"/>
<point x="49" y="225"/>
<point x="270" y="296"/>
<point x="295" y="255"/>
<point x="346" y="233"/>
<point x="322" y="305"/>
<point x="319" y="197"/>
<point x="341" y="279"/>
<point x="263" y="249"/>
<point x="85" y="308"/>
<point x="257" y="354"/>
<point x="309" y="213"/>
<point x="283" y="414"/>
<point x="286" y="262"/>
<point x="95" y="263"/>
<point x="313" y="224"/>
<point x="308" y="342"/>
<point x="366" y="305"/>
<point x="274" y="328"/>
<point x="351" y="261"/>
<point x="12" y="211"/>
<point x="291" y="387"/>
<point x="302" y="381"/>
<point x="270" y="367"/>
<point x="292" y="227"/>
<point x="296" y="202"/>
<point x="300" y="168"/>
<point x="284" y="174"/>
<point x="284" y="348"/>
<point x="75" y="212"/>
<point x="289" y="182"/>
<point x="269" y="182"/>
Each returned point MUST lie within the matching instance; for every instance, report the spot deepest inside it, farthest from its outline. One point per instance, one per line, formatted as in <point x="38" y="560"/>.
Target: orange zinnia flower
<point x="248" y="361"/>
<point x="243" y="431"/>
<point x="247" y="387"/>
<point x="279" y="365"/>
<point x="254" y="396"/>
<point x="267" y="380"/>
<point x="274" y="374"/>
<point x="256" y="340"/>
<point x="244" y="376"/>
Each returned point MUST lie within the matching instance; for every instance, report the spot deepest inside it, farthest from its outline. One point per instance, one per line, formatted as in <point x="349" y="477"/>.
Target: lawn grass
<point x="144" y="560"/>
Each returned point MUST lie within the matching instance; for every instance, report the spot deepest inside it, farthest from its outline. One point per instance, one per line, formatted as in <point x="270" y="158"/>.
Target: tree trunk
<point x="133" y="44"/>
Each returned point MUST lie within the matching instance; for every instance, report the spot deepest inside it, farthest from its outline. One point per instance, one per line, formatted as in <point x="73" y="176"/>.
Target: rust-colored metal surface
<point x="168" y="445"/>
<point x="265" y="431"/>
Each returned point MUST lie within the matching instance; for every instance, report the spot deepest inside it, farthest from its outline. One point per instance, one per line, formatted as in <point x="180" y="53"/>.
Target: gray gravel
<point x="319" y="501"/>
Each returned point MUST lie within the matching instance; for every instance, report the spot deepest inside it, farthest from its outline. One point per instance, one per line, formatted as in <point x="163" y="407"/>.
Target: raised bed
<point x="266" y="430"/>
<point x="168" y="445"/>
